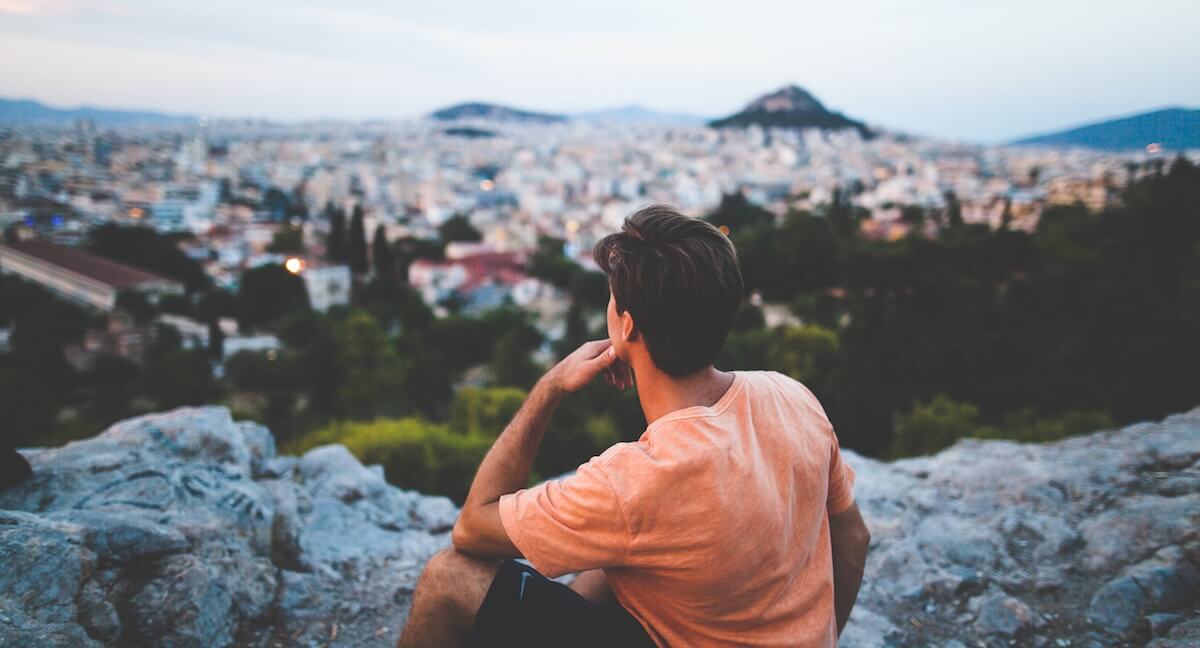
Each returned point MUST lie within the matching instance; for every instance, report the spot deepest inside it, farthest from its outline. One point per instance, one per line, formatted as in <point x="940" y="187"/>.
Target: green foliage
<point x="267" y="294"/>
<point x="458" y="228"/>
<point x="381" y="254"/>
<point x="939" y="423"/>
<point x="738" y="213"/>
<point x="484" y="411"/>
<point x="137" y="305"/>
<point x="358" y="242"/>
<point x="1025" y="425"/>
<point x="806" y="353"/>
<point x="261" y="371"/>
<point x="288" y="239"/>
<point x="373" y="374"/>
<point x="336" y="248"/>
<point x="549" y="264"/>
<point x="47" y="326"/>
<point x="180" y="377"/>
<point x="931" y="426"/>
<point x="409" y="249"/>
<point x="415" y="454"/>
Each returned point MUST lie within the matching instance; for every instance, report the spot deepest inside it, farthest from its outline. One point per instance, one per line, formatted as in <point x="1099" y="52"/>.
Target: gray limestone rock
<point x="186" y="529"/>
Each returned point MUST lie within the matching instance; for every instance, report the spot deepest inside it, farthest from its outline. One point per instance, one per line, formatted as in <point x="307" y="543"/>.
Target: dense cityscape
<point x="232" y="187"/>
<point x="336" y="279"/>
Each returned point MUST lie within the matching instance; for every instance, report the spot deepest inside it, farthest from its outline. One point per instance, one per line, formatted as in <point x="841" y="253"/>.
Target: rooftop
<point x="98" y="268"/>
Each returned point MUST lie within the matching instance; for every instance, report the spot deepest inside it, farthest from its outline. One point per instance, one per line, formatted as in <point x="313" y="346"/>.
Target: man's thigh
<point x="524" y="608"/>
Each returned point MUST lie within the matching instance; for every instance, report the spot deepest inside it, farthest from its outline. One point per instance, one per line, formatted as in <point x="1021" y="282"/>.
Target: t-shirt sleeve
<point x="568" y="525"/>
<point x="841" y="480"/>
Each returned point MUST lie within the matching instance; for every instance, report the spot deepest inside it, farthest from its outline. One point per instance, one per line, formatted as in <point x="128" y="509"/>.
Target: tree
<point x="182" y="377"/>
<point x="358" y="242"/>
<point x="269" y="293"/>
<point x="310" y="337"/>
<point x="551" y="265"/>
<point x="381" y="254"/>
<point x="216" y="340"/>
<point x="288" y="239"/>
<point x="136" y="305"/>
<point x="931" y="426"/>
<point x="736" y="212"/>
<point x="459" y="228"/>
<point x="409" y="249"/>
<point x="335" y="247"/>
<point x="373" y="374"/>
<point x="806" y="353"/>
<point x="484" y="411"/>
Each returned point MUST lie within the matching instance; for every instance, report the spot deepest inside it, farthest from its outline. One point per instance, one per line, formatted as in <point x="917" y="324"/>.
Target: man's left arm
<point x="506" y="467"/>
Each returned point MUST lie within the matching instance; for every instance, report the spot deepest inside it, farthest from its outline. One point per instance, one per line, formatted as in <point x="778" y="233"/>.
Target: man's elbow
<point x="461" y="536"/>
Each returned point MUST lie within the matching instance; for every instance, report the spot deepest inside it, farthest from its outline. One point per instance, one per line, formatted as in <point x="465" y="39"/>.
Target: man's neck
<point x="660" y="394"/>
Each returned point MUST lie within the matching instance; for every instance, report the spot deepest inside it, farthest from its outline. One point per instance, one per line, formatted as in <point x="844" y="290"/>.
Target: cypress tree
<point x="358" y="242"/>
<point x="381" y="254"/>
<point x="336" y="247"/>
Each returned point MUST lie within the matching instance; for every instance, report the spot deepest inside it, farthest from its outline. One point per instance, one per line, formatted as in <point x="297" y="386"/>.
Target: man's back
<point x="713" y="528"/>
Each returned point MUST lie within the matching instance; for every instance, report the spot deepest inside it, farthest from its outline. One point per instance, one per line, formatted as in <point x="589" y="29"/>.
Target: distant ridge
<point x="640" y="115"/>
<point x="790" y="107"/>
<point x="1171" y="128"/>
<point x="28" y="111"/>
<point x="494" y="112"/>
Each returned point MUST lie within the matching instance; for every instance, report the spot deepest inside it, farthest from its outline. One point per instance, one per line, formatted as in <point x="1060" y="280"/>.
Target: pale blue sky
<point x="981" y="71"/>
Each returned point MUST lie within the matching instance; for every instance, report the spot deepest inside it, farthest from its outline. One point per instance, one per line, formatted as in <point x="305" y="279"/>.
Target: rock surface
<point x="186" y="529"/>
<point x="1091" y="541"/>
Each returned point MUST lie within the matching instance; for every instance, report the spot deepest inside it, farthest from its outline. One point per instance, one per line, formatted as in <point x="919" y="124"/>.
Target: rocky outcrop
<point x="186" y="529"/>
<point x="1092" y="541"/>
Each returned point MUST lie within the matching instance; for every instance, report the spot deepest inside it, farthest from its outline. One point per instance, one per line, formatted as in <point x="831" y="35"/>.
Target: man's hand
<point x="505" y="469"/>
<point x="575" y="371"/>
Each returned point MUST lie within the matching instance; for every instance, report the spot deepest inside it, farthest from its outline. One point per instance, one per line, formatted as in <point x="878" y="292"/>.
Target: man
<point x="730" y="521"/>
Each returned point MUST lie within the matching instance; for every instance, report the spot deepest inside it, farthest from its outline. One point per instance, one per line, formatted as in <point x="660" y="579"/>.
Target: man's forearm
<point x="506" y="467"/>
<point x="847" y="578"/>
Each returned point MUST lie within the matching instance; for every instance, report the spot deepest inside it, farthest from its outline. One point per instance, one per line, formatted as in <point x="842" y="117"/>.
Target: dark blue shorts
<point x="524" y="608"/>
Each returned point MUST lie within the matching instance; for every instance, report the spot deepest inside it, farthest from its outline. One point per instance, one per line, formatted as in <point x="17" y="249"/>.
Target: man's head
<point x="675" y="285"/>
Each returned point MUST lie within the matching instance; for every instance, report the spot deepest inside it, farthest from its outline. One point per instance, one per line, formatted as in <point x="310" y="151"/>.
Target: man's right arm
<point x="849" y="537"/>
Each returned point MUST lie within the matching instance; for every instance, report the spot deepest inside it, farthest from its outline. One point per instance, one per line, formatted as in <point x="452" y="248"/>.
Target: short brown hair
<point x="679" y="278"/>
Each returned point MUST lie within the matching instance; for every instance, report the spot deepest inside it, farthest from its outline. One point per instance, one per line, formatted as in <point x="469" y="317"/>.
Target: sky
<point x="961" y="70"/>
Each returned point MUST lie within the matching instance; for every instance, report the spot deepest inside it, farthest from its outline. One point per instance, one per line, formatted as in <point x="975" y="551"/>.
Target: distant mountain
<point x="494" y="112"/>
<point x="1172" y="128"/>
<point x="790" y="107"/>
<point x="640" y="115"/>
<point x="28" y="111"/>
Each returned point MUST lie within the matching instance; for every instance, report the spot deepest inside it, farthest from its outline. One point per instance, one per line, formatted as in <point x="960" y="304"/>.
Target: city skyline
<point x="973" y="73"/>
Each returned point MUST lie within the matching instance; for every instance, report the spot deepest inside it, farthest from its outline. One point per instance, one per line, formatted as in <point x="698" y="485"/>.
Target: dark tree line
<point x="1091" y="312"/>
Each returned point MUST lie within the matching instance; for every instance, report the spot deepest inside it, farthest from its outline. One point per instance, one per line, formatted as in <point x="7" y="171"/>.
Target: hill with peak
<point x="186" y="529"/>
<point x="1172" y="129"/>
<point x="790" y="107"/>
<point x="494" y="112"/>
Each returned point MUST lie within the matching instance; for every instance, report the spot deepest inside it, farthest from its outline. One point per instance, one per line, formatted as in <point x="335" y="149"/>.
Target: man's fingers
<point x="606" y="358"/>
<point x="594" y="348"/>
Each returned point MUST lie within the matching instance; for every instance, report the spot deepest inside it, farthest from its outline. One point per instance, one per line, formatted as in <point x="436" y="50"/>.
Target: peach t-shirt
<point x="713" y="527"/>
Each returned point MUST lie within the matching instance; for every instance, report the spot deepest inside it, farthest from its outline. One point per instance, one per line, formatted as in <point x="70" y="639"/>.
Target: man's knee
<point x="458" y="581"/>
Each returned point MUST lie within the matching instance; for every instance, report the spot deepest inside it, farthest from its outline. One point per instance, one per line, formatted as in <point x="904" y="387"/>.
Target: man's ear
<point x="628" y="328"/>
